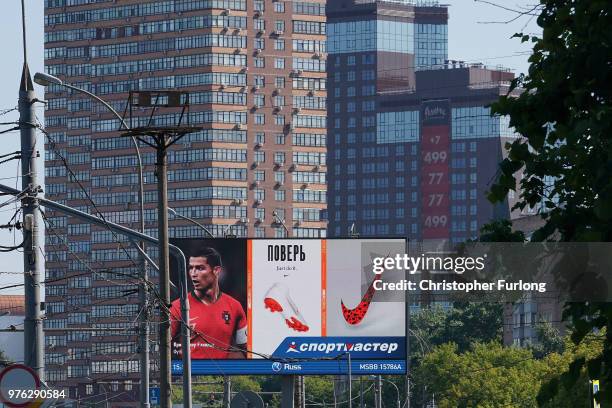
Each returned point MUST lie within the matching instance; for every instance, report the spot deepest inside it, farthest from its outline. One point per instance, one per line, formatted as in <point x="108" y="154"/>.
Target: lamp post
<point x="191" y="220"/>
<point x="380" y="379"/>
<point x="46" y="80"/>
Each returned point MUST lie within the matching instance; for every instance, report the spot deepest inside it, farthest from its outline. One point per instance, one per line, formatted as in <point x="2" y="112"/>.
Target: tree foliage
<point x="489" y="375"/>
<point x="463" y="324"/>
<point x="564" y="115"/>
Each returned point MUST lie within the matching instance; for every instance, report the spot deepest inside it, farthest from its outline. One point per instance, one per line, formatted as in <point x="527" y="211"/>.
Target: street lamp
<point x="191" y="220"/>
<point x="379" y="378"/>
<point x="45" y="80"/>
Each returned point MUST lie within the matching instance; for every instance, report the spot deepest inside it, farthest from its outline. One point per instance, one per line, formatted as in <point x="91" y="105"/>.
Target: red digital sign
<point x="435" y="170"/>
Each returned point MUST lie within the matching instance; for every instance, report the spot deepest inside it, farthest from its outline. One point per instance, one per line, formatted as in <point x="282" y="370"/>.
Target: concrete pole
<point x="302" y="392"/>
<point x="350" y="378"/>
<point x="32" y="242"/>
<point x="227" y="391"/>
<point x="361" y="392"/>
<point x="165" y="380"/>
<point x="379" y="395"/>
<point x="287" y="391"/>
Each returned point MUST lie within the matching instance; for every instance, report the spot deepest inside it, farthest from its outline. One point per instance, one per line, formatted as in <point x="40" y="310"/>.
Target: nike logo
<point x="356" y="315"/>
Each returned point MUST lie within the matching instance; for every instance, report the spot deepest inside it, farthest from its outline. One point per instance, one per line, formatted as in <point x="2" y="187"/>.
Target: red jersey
<point x="222" y="324"/>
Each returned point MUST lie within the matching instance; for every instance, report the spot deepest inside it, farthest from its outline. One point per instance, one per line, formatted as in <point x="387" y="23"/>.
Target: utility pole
<point x="350" y="376"/>
<point x="161" y="138"/>
<point x="378" y="392"/>
<point x="32" y="258"/>
<point x="300" y="387"/>
<point x="45" y="80"/>
<point x="361" y="392"/>
<point x="227" y="391"/>
<point x="161" y="169"/>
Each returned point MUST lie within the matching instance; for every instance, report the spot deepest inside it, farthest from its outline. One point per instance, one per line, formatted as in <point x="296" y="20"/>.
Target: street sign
<point x="154" y="394"/>
<point x="595" y="390"/>
<point x="17" y="385"/>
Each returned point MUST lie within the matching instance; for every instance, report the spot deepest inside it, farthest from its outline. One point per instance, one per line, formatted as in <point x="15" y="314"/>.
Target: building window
<point x="259" y="119"/>
<point x="279" y="157"/>
<point x="279" y="195"/>
<point x="279" y="63"/>
<point x="259" y="62"/>
<point x="279" y="120"/>
<point x="279" y="82"/>
<point x="279" y="45"/>
<point x="279" y="7"/>
<point x="259" y="43"/>
<point x="280" y="139"/>
<point x="260" y="214"/>
<point x="260" y="138"/>
<point x="279" y="177"/>
<point x="259" y="175"/>
<point x="259" y="100"/>
<point x="259" y="80"/>
<point x="278" y="100"/>
<point x="259" y="5"/>
<point x="260" y="232"/>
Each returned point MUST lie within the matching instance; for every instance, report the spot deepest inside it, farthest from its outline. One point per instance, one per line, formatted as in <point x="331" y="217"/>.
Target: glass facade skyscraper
<point x="412" y="148"/>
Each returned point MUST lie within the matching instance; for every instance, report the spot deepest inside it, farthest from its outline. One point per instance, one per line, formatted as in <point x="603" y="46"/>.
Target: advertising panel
<point x="288" y="306"/>
<point x="435" y="169"/>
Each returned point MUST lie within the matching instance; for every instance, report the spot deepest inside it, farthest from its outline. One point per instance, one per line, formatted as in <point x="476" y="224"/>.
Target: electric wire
<point x="75" y="179"/>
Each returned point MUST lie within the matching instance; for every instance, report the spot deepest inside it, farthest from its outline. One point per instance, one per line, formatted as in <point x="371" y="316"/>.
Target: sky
<point x="472" y="38"/>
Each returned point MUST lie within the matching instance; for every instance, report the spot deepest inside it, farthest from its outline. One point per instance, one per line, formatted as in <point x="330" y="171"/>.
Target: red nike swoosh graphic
<point x="356" y="315"/>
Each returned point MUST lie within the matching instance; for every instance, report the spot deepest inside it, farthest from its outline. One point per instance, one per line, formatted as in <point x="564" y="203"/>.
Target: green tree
<point x="489" y="375"/>
<point x="549" y="340"/>
<point x="319" y="390"/>
<point x="463" y="324"/>
<point x="565" y="117"/>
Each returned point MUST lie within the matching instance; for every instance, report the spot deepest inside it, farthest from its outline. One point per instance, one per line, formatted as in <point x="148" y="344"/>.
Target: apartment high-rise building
<point x="411" y="143"/>
<point x="256" y="73"/>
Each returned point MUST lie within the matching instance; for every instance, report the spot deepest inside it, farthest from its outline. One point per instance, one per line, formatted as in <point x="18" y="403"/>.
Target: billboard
<point x="289" y="306"/>
<point x="435" y="169"/>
